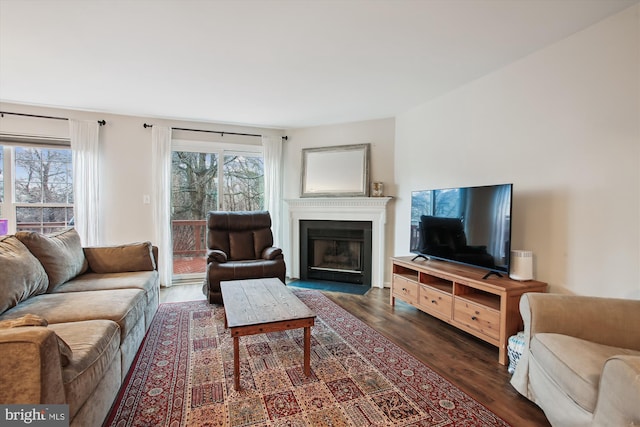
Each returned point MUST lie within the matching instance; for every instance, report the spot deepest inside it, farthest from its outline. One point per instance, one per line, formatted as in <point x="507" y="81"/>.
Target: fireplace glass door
<point x="338" y="251"/>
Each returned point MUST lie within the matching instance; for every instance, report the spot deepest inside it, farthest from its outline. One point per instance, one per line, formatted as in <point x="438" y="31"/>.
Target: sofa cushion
<point x="60" y="254"/>
<point x="95" y="345"/>
<point x="119" y="259"/>
<point x="574" y="364"/>
<point x="122" y="306"/>
<point x="145" y="280"/>
<point x="22" y="275"/>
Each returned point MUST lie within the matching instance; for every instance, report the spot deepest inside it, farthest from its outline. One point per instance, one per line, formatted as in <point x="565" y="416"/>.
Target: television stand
<point x="486" y="307"/>
<point x="420" y="256"/>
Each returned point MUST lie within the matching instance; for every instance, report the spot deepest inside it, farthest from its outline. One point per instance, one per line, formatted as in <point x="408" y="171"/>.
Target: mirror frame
<point x="348" y="166"/>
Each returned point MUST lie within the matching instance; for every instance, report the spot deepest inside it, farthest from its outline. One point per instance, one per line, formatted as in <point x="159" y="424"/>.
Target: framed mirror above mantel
<point x="338" y="171"/>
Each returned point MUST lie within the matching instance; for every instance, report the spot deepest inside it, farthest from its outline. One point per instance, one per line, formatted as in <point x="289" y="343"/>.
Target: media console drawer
<point x="434" y="300"/>
<point x="405" y="289"/>
<point x="463" y="297"/>
<point x="477" y="317"/>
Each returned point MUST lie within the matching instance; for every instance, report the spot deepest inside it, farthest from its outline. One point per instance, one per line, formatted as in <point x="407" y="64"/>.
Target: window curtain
<point x="161" y="199"/>
<point x="273" y="183"/>
<point x="502" y="202"/>
<point x="84" y="147"/>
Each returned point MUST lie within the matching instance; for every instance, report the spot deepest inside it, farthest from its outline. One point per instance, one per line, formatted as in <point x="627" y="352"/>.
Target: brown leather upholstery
<point x="240" y="246"/>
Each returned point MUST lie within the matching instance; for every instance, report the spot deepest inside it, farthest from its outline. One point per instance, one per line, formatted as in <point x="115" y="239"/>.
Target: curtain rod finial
<point x="286" y="138"/>
<point x="102" y="122"/>
<point x="147" y="126"/>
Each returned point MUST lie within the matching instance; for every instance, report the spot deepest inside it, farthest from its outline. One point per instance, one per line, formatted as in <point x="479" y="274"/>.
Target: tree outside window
<point x="42" y="188"/>
<point x="197" y="181"/>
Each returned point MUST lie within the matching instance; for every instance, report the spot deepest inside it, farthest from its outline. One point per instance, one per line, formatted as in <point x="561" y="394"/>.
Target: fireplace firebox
<point x="338" y="251"/>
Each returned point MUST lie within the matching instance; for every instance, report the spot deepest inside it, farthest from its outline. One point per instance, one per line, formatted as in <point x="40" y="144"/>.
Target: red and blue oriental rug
<point x="183" y="376"/>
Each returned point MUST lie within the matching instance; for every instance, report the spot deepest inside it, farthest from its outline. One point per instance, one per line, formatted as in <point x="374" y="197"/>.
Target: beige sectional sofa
<point x="581" y="361"/>
<point x="72" y="320"/>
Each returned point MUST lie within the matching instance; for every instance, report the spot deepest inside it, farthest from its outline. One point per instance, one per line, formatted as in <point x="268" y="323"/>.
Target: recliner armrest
<point x="272" y="253"/>
<point x="216" y="255"/>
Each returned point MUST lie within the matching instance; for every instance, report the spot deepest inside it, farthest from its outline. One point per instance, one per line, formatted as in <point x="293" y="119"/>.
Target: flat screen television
<point x="466" y="225"/>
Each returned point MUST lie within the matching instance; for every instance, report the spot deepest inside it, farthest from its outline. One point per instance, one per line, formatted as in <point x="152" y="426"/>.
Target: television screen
<point x="467" y="225"/>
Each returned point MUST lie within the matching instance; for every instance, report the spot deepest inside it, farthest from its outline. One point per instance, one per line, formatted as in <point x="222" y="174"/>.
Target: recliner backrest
<point x="241" y="235"/>
<point x="447" y="232"/>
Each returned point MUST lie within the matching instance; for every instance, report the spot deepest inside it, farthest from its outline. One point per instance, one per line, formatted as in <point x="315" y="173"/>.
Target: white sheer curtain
<point x="84" y="148"/>
<point x="502" y="202"/>
<point x="273" y="183"/>
<point x="161" y="177"/>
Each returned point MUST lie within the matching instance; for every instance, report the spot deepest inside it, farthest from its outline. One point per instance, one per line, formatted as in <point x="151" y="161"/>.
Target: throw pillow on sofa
<point x="122" y="258"/>
<point x="22" y="276"/>
<point x="60" y="254"/>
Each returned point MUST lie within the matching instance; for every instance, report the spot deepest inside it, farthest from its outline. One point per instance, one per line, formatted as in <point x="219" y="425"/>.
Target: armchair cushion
<point x="241" y="246"/>
<point x="575" y="364"/>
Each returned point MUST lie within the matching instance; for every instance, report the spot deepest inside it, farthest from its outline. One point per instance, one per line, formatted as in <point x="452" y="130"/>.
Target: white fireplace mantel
<point x="372" y="209"/>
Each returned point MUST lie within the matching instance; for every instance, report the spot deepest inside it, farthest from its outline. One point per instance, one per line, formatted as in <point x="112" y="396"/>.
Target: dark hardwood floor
<point x="469" y="363"/>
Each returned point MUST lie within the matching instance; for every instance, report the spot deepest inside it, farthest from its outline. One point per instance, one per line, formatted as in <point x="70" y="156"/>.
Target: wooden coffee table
<point x="258" y="306"/>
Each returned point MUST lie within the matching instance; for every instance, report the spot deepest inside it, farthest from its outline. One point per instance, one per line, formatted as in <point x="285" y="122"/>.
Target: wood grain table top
<point x="259" y="301"/>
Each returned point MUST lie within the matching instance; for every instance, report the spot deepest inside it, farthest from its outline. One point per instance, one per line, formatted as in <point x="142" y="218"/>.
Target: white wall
<point x="563" y="125"/>
<point x="379" y="133"/>
<point x="125" y="156"/>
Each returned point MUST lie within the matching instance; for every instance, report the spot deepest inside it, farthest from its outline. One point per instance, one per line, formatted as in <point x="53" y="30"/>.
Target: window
<point x="243" y="177"/>
<point x="36" y="188"/>
<point x="209" y="177"/>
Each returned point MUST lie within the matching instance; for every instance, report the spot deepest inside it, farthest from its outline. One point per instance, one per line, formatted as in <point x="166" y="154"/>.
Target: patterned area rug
<point x="183" y="376"/>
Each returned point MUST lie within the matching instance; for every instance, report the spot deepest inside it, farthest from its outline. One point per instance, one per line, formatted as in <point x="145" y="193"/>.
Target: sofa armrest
<point x="31" y="371"/>
<point x="607" y="321"/>
<point x="619" y="391"/>
<point x="272" y="253"/>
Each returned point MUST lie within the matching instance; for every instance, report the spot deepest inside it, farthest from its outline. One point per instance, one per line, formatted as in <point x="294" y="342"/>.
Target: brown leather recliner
<point x="240" y="246"/>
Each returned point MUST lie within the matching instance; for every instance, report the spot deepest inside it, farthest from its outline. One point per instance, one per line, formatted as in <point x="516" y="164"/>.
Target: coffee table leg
<point x="307" y="351"/>
<point x="236" y="362"/>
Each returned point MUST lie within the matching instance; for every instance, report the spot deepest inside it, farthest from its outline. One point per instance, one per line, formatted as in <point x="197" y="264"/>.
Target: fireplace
<point x="348" y="209"/>
<point x="337" y="251"/>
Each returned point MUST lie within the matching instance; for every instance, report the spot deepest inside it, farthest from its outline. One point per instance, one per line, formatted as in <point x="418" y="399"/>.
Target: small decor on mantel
<point x="377" y="189"/>
<point x="339" y="171"/>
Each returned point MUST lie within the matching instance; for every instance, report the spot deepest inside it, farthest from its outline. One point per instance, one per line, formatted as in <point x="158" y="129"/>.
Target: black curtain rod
<point x="145" y="125"/>
<point x="2" y="113"/>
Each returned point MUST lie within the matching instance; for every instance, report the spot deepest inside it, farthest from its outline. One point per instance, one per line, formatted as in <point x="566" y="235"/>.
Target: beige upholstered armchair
<point x="240" y="246"/>
<point x="581" y="361"/>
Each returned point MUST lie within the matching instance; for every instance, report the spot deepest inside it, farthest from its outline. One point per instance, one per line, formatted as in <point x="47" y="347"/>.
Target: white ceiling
<point x="273" y="63"/>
